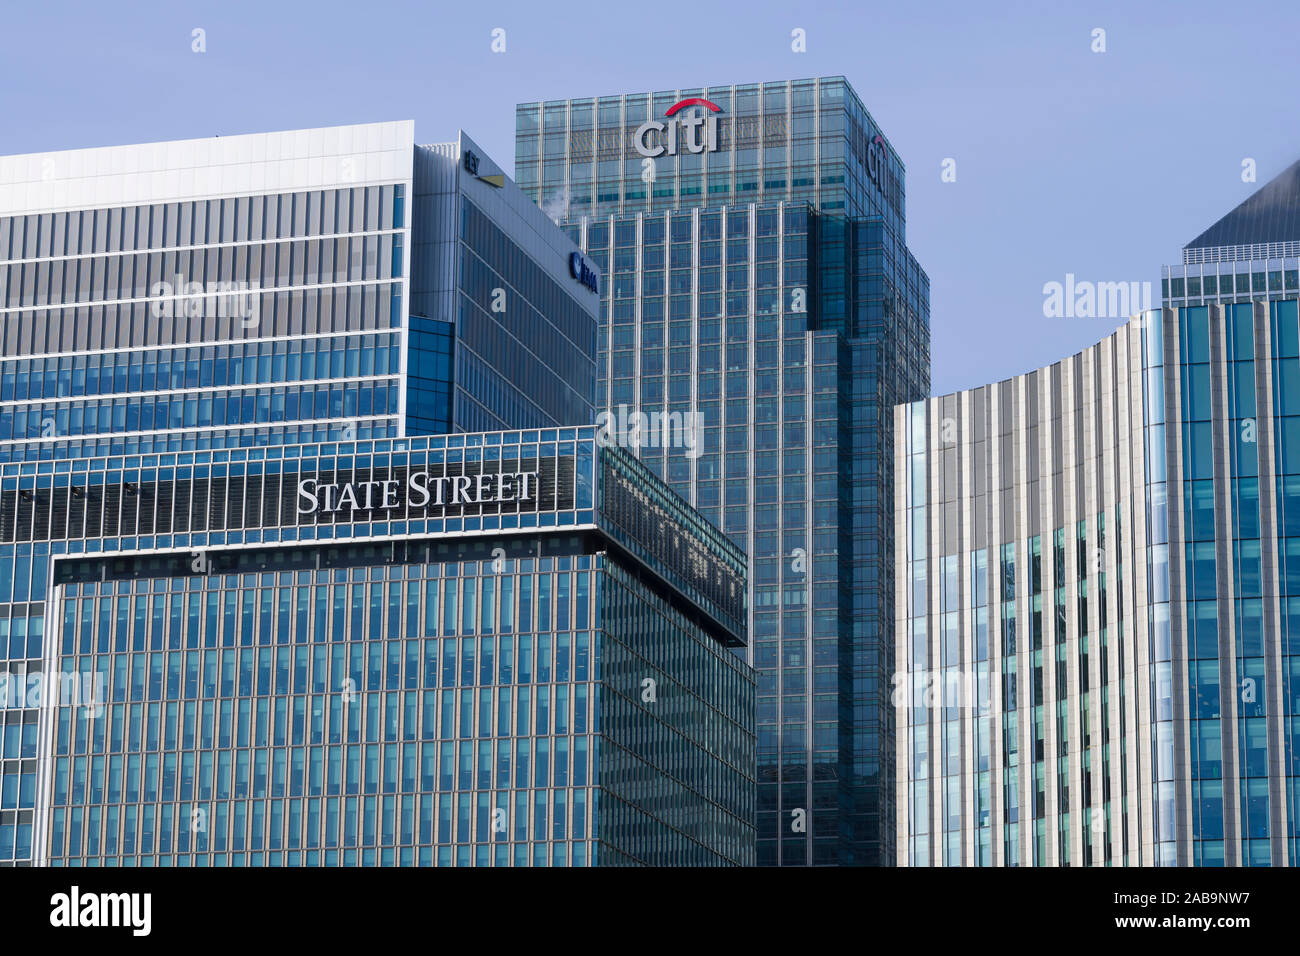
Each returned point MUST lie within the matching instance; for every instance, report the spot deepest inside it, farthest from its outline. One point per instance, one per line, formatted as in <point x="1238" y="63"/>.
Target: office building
<point x="258" y="608"/>
<point x="1251" y="254"/>
<point x="253" y="290"/>
<point x="479" y="649"/>
<point x="1099" y="603"/>
<point x="755" y="275"/>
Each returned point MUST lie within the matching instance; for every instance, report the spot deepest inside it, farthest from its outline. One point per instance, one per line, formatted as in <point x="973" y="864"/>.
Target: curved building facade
<point x="1098" y="603"/>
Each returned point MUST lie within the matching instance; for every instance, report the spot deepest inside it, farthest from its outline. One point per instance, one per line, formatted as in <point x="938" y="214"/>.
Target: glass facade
<point x="283" y="317"/>
<point x="501" y="334"/>
<point x="491" y="683"/>
<point x="765" y="287"/>
<point x="517" y="647"/>
<point x="1251" y="254"/>
<point x="201" y="324"/>
<point x="1145" y="716"/>
<point x="1231" y="280"/>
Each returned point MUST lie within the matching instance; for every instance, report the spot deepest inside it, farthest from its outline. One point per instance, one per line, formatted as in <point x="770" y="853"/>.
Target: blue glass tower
<point x="250" y="613"/>
<point x="284" y="315"/>
<point x="536" y="674"/>
<point x="501" y="336"/>
<point x="752" y="244"/>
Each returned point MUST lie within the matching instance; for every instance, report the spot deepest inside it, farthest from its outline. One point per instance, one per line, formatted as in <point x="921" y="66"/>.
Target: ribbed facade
<point x="249" y="665"/>
<point x="765" y="287"/>
<point x="1098" y="600"/>
<point x="178" y="321"/>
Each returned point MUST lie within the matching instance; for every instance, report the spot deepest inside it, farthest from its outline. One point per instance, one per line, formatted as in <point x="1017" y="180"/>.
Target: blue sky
<point x="1068" y="161"/>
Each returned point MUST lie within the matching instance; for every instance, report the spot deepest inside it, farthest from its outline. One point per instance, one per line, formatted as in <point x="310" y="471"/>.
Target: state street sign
<point x="420" y="489"/>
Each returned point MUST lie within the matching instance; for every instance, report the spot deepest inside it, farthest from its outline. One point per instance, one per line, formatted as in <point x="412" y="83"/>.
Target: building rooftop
<point x="145" y="173"/>
<point x="1269" y="215"/>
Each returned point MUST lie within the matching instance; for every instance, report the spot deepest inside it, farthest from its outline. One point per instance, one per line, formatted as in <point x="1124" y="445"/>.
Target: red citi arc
<point x="699" y="132"/>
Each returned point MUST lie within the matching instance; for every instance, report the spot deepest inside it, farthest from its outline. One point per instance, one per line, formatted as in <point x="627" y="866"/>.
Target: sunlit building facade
<point x="1250" y="254"/>
<point x="1098" y="593"/>
<point x="755" y="273"/>
<point x="279" y="288"/>
<point x="514" y="653"/>
<point x="252" y="614"/>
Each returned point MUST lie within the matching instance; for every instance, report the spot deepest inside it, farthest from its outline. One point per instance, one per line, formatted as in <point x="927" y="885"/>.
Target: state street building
<point x="309" y="553"/>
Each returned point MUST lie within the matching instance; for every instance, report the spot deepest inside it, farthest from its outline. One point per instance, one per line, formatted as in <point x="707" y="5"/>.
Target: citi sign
<point x="696" y="132"/>
<point x="877" y="161"/>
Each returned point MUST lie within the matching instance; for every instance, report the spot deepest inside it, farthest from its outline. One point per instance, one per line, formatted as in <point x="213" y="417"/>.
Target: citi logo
<point x="877" y="160"/>
<point x="698" y="131"/>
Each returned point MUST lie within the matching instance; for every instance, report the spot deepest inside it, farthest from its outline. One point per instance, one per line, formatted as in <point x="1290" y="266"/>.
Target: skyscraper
<point x="258" y="608"/>
<point x="1098" y="586"/>
<point x="1099" y="603"/>
<point x="1250" y="254"/>
<point x="498" y="649"/>
<point x="752" y="244"/>
<point x="253" y="290"/>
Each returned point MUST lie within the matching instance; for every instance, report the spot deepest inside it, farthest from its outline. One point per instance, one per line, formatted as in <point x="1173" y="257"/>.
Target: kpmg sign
<point x="579" y="269"/>
<point x="419" y="490"/>
<point x="699" y="134"/>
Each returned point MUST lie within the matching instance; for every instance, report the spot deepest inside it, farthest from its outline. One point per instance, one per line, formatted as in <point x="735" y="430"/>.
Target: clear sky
<point x="1067" y="160"/>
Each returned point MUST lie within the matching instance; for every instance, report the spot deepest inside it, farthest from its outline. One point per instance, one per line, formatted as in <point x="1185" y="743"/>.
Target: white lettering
<point x="414" y="486"/>
<point x="482" y="488"/>
<point x="74" y="909"/>
<point x="347" y="496"/>
<point x="642" y="143"/>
